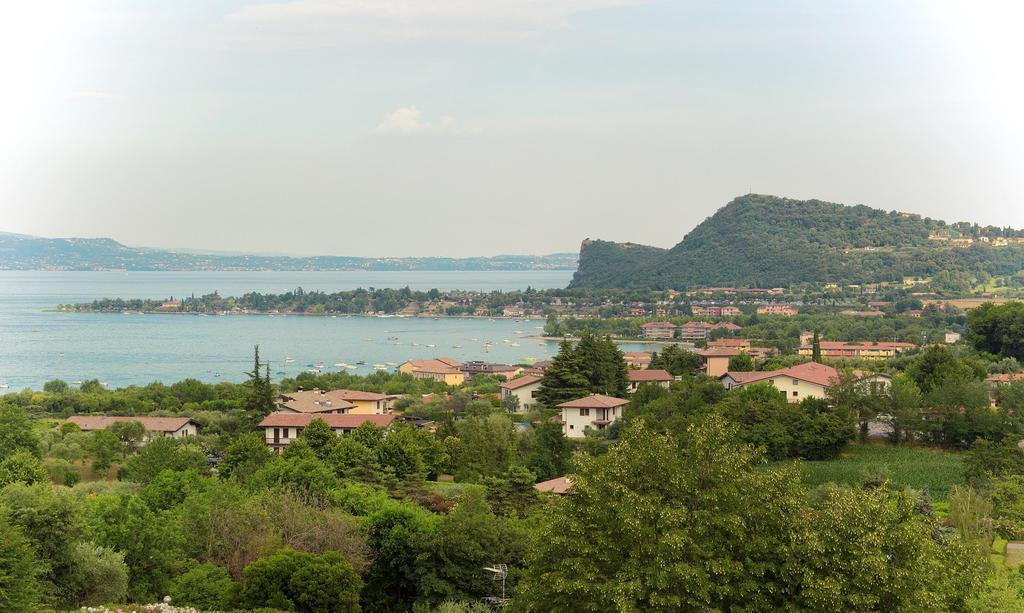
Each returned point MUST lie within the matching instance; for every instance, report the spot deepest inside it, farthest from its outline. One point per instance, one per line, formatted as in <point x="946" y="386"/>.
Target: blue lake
<point x="36" y="345"/>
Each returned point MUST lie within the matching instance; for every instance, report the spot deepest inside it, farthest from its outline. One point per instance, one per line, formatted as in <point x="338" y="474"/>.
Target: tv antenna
<point x="500" y="572"/>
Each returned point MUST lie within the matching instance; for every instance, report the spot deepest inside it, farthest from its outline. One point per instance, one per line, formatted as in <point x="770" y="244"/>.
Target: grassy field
<point x="915" y="467"/>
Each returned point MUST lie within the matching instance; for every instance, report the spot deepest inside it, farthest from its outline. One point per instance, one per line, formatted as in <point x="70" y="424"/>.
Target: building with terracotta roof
<point x="313" y="401"/>
<point x="739" y="343"/>
<point x="281" y="428"/>
<point x="177" y="427"/>
<point x="659" y="330"/>
<point x="595" y="411"/>
<point x="716" y="360"/>
<point x="439" y="369"/>
<point x="695" y="330"/>
<point x="637" y="359"/>
<point x="865" y="351"/>
<point x="808" y="380"/>
<point x="559" y="485"/>
<point x="524" y="390"/>
<point x="776" y="309"/>
<point x="656" y="376"/>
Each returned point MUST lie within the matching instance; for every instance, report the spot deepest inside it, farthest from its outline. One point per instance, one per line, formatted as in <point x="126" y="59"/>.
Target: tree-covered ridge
<point x="767" y="241"/>
<point x="20" y="252"/>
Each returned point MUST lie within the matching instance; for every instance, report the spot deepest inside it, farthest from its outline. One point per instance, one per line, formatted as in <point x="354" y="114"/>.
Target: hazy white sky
<point x="478" y="127"/>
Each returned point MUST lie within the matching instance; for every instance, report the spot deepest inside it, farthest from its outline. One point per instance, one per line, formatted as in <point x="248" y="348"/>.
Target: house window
<point x="285" y="434"/>
<point x="796" y="382"/>
<point x="571" y="427"/>
<point x="584" y="412"/>
<point x="795" y="393"/>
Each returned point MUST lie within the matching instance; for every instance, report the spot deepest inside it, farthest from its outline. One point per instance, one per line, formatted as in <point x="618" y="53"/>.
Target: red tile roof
<point x="1005" y="378"/>
<point x="594" y="401"/>
<point x="315" y="401"/>
<point x="640" y="376"/>
<point x="811" y="372"/>
<point x="729" y="342"/>
<point x="153" y="424"/>
<point x="658" y="324"/>
<point x="334" y="420"/>
<point x="719" y="352"/>
<point x="350" y="395"/>
<point x="519" y="382"/>
<point x="558" y="485"/>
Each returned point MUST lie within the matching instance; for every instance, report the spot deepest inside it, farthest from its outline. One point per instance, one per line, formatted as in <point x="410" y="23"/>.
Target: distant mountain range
<point x="22" y="252"/>
<point x="768" y="241"/>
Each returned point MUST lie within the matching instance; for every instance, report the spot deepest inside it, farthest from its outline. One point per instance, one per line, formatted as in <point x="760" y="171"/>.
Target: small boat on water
<point x="431" y="345"/>
<point x="513" y="344"/>
<point x="360" y="362"/>
<point x="289" y="359"/>
<point x="379" y="367"/>
<point x="456" y="346"/>
<point x="4" y="386"/>
<point x="392" y="364"/>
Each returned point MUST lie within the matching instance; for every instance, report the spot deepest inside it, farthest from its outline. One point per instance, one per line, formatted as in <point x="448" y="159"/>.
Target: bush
<point x="292" y="580"/>
<point x="206" y="586"/>
<point x="98" y="575"/>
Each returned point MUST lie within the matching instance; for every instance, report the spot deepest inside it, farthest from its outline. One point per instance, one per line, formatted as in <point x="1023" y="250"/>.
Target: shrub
<point x="206" y="586"/>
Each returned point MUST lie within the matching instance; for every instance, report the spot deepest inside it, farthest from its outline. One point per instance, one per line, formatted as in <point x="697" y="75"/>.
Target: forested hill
<point x="767" y="241"/>
<point x="21" y="252"/>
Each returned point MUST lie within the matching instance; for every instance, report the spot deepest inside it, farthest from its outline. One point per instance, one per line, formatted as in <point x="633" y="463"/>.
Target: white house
<point x="809" y="380"/>
<point x="524" y="389"/>
<point x="281" y="428"/>
<point x="177" y="427"/>
<point x="595" y="411"/>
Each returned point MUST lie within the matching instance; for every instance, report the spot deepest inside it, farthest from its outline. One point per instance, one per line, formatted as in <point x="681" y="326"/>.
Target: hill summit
<point x="767" y="241"/>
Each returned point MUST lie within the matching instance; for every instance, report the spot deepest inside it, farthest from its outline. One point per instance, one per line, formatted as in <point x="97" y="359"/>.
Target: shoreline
<point x="289" y="314"/>
<point x="620" y="341"/>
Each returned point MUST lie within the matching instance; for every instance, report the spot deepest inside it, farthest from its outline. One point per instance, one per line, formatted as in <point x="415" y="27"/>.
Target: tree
<point x="467" y="540"/>
<point x="52" y="522"/>
<point x="549" y="457"/>
<point x="293" y="580"/>
<point x="998" y="329"/>
<point x="320" y="437"/>
<point x="104" y="447"/>
<point x="55" y="386"/>
<point x="667" y="527"/>
<point x="987" y="460"/>
<point x="18" y="569"/>
<point x="816" y="348"/>
<point x="741" y="363"/>
<point x="870" y="549"/>
<point x="126" y="524"/>
<point x="261" y="392"/>
<point x="205" y="586"/>
<point x="399" y="536"/>
<point x="563" y="379"/>
<point x="22" y="467"/>
<point x="163" y="453"/>
<point x="677" y="361"/>
<point x="937" y="365"/>
<point x="905" y="409"/>
<point x="16" y="432"/>
<point x="130" y="433"/>
<point x="98" y="575"/>
<point x="244" y="456"/>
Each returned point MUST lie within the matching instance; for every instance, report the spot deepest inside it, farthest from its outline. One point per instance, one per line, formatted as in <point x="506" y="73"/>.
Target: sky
<point x="483" y="127"/>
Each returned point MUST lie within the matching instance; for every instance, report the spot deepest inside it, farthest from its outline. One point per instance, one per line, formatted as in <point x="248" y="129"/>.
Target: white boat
<point x="289" y="360"/>
<point x="456" y="346"/>
<point x="391" y="363"/>
<point x="379" y="367"/>
<point x="341" y="365"/>
<point x="513" y="344"/>
<point x="351" y="367"/>
<point x="431" y="345"/>
<point x="4" y="386"/>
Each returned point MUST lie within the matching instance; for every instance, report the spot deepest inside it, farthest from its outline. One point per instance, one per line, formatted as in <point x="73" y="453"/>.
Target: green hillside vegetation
<point x="767" y="241"/>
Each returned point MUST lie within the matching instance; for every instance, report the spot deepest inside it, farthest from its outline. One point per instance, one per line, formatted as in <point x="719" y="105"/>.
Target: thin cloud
<point x="313" y="22"/>
<point x="409" y="121"/>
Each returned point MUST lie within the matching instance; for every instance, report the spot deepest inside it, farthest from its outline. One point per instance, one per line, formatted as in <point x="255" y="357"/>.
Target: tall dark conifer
<point x="816" y="348"/>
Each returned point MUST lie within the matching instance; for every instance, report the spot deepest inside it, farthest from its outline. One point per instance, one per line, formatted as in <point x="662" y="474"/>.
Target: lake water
<point x="36" y="345"/>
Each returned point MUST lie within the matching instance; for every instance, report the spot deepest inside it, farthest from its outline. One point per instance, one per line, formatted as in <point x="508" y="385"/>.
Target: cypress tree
<point x="816" y="348"/>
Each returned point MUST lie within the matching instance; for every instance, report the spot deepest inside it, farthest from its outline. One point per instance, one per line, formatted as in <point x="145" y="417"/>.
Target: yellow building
<point x="866" y="351"/>
<point x="438" y="369"/>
